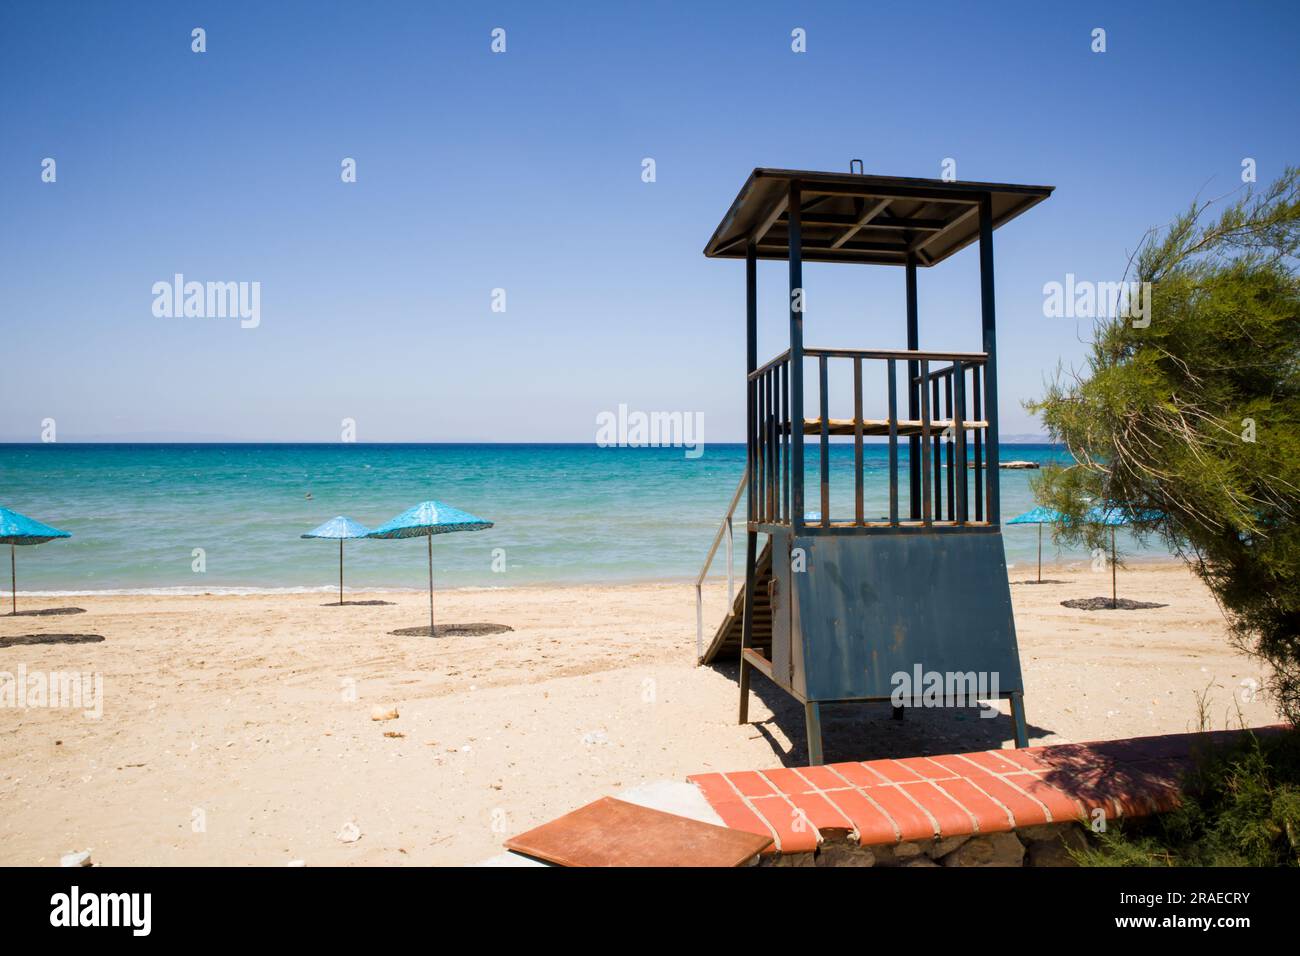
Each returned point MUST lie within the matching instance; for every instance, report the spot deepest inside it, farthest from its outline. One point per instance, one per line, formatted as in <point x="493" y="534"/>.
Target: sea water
<point x="216" y="518"/>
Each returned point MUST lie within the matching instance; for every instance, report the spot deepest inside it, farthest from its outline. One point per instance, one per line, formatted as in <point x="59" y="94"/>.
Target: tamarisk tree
<point x="1189" y="420"/>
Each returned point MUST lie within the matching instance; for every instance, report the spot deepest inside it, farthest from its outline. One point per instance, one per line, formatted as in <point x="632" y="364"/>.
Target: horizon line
<point x="1008" y="440"/>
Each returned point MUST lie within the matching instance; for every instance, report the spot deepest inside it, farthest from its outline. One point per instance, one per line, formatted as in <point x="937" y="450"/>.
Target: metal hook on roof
<point x="860" y="170"/>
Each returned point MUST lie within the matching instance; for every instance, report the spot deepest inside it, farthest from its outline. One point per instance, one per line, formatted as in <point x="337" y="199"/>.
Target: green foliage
<point x="1241" y="807"/>
<point x="1192" y="423"/>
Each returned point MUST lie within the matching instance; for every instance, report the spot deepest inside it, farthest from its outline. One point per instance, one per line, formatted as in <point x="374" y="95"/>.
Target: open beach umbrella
<point x="1112" y="518"/>
<point x="429" y="518"/>
<point x="18" y="529"/>
<point x="1039" y="516"/>
<point x="340" y="528"/>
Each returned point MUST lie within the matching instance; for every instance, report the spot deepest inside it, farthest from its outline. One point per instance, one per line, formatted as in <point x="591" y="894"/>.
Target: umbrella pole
<point x="1114" y="602"/>
<point x="1040" y="552"/>
<point x="431" y="632"/>
<point x="13" y="578"/>
<point x="340" y="572"/>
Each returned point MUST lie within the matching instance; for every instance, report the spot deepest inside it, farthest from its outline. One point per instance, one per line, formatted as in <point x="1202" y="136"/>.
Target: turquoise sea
<point x="563" y="513"/>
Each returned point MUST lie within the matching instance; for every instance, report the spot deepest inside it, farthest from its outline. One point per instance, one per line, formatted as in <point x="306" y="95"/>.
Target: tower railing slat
<point x="857" y="436"/>
<point x="944" y="428"/>
<point x="893" y="444"/>
<point x="825" y="447"/>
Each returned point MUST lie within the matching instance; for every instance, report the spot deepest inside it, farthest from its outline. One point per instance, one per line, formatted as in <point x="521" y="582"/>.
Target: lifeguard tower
<point x="835" y="604"/>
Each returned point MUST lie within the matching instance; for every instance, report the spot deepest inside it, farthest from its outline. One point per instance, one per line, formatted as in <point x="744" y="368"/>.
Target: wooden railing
<point x="945" y="423"/>
<point x="769" y="442"/>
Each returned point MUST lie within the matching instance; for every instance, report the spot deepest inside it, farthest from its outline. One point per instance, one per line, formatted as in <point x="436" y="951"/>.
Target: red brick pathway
<point x="921" y="798"/>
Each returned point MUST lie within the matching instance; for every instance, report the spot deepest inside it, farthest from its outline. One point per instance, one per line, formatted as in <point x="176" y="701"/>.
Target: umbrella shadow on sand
<point x="356" y="603"/>
<point x="453" y="630"/>
<point x="18" y="639"/>
<point x="1110" y="604"/>
<point x="47" y="612"/>
<point x="1044" y="581"/>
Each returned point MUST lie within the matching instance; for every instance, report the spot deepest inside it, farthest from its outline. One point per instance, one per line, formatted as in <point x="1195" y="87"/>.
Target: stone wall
<point x="1044" y="845"/>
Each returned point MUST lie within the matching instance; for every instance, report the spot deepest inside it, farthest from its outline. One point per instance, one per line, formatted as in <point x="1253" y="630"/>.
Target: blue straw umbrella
<point x="427" y="519"/>
<point x="18" y="529"/>
<point x="1111" y="518"/>
<point x="341" y="528"/>
<point x="1039" y="516"/>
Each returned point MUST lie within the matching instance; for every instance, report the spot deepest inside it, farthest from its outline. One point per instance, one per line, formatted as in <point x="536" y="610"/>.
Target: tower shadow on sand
<point x="857" y="731"/>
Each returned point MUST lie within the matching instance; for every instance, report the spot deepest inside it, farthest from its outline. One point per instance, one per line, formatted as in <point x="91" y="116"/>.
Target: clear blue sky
<point x="523" y="171"/>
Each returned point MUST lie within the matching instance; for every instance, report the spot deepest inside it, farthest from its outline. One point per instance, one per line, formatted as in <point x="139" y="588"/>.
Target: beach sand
<point x="237" y="729"/>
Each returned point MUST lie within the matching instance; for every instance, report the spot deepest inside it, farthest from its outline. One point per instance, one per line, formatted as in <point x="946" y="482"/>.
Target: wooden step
<point x="726" y="640"/>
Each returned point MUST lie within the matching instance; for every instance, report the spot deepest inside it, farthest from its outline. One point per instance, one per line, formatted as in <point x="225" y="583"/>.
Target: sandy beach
<point x="237" y="729"/>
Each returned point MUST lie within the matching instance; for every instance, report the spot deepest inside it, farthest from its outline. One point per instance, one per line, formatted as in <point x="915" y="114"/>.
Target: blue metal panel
<point x="871" y="606"/>
<point x="782" y="600"/>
